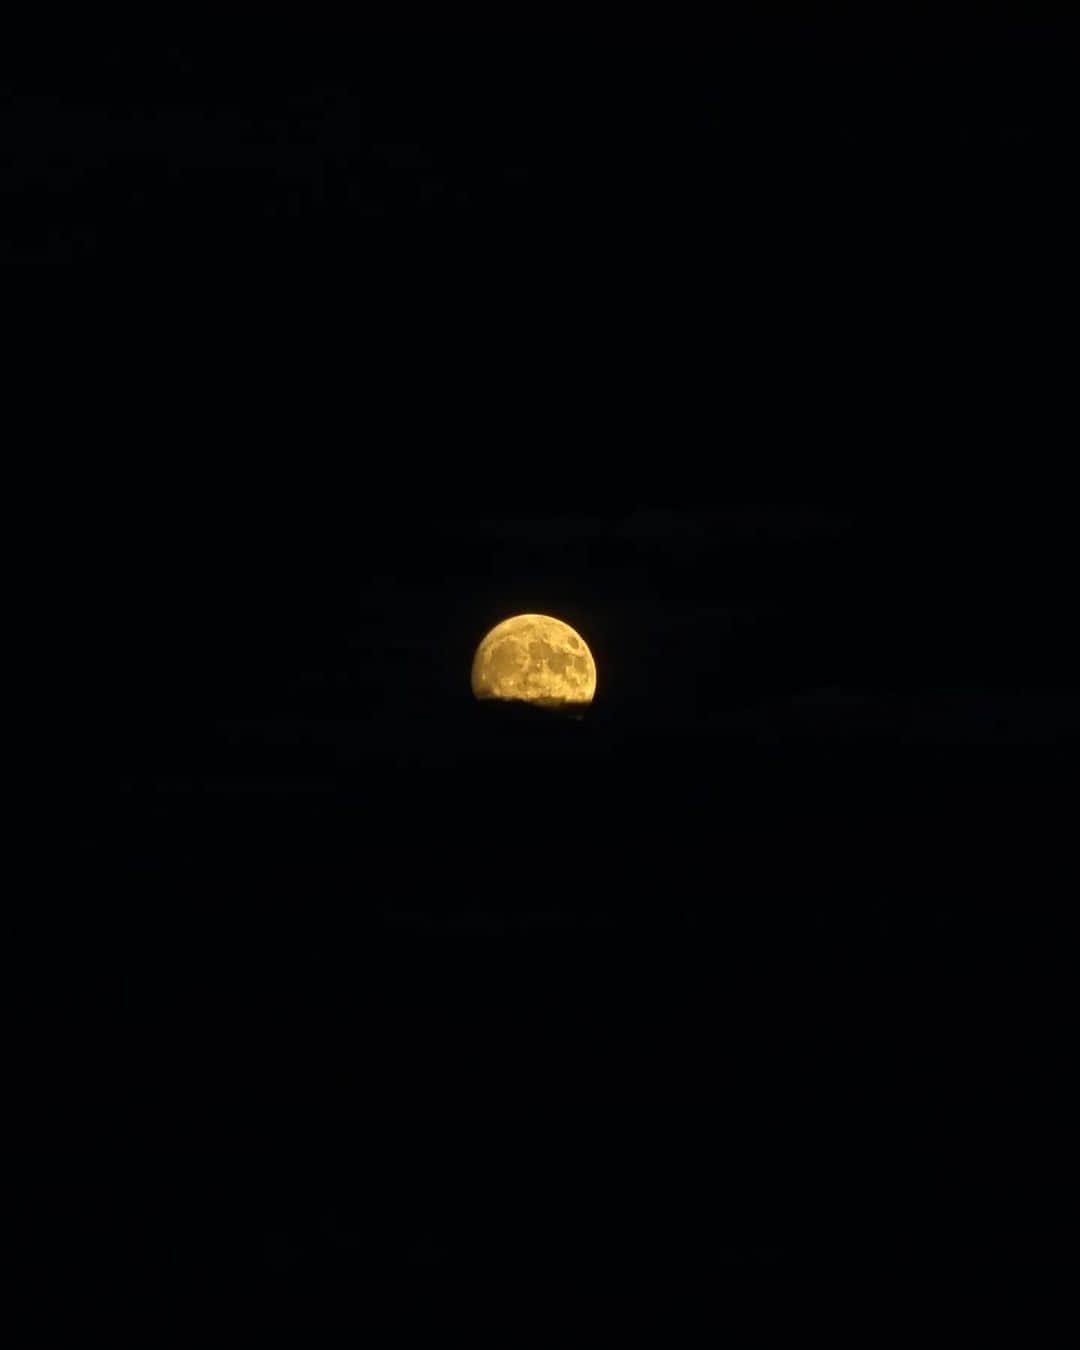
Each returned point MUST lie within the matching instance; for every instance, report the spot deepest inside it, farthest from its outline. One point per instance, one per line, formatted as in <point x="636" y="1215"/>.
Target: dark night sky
<point x="741" y="350"/>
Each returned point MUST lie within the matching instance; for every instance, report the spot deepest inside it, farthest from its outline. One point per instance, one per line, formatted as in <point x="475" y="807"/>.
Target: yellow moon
<point x="533" y="658"/>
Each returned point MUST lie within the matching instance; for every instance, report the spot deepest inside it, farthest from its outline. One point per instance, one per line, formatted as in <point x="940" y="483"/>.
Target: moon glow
<point x="533" y="658"/>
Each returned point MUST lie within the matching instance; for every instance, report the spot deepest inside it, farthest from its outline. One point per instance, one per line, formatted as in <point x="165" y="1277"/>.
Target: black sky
<point x="743" y="350"/>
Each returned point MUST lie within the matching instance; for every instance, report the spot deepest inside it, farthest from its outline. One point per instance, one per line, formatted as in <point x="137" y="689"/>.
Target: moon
<point x="533" y="658"/>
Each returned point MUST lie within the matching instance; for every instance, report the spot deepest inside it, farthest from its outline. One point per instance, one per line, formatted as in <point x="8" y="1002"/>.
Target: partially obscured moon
<point x="533" y="658"/>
